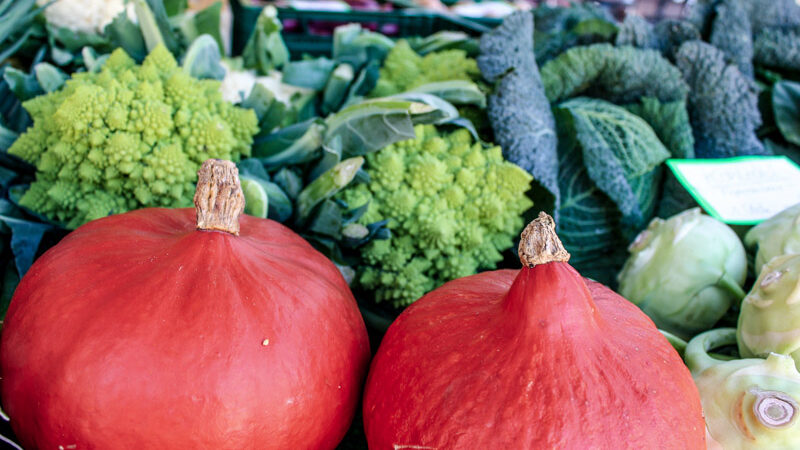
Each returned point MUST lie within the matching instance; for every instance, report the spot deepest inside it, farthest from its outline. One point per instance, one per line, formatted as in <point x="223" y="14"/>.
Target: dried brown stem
<point x="218" y="199"/>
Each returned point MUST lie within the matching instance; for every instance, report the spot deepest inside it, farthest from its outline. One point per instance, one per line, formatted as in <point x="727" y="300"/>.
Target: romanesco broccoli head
<point x="404" y="69"/>
<point x="128" y="137"/>
<point x="453" y="206"/>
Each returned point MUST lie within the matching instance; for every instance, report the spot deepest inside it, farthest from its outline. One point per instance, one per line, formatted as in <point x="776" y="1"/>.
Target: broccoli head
<point x="128" y="137"/>
<point x="452" y="207"/>
<point x="405" y="69"/>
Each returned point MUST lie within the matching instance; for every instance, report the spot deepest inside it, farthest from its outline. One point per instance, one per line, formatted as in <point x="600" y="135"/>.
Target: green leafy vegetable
<point x="518" y="108"/>
<point x="265" y="49"/>
<point x="723" y="104"/>
<point x="326" y="186"/>
<point x="558" y="29"/>
<point x="731" y="32"/>
<point x="458" y="92"/>
<point x="16" y="20"/>
<point x="356" y="46"/>
<point x="665" y="36"/>
<point x="616" y="74"/>
<point x="670" y="122"/>
<point x="608" y="176"/>
<point x="124" y="34"/>
<point x="786" y="109"/>
<point x="311" y="73"/>
<point x="444" y="40"/>
<point x="636" y="31"/>
<point x="779" y="49"/>
<point x="202" y="59"/>
<point x="206" y="21"/>
<point x="336" y="88"/>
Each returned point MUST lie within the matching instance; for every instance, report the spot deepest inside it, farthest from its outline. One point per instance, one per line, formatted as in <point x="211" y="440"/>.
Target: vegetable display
<point x="219" y="332"/>
<point x="748" y="403"/>
<point x="130" y="136"/>
<point x="452" y="207"/>
<point x="685" y="272"/>
<point x="536" y="357"/>
<point x="400" y="158"/>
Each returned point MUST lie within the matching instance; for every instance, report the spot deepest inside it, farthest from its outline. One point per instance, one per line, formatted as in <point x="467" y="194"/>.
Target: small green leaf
<point x="92" y="60"/>
<point x="49" y="77"/>
<point x="289" y="182"/>
<point x="311" y="74"/>
<point x="326" y="186"/>
<point x="121" y="32"/>
<point x="336" y="88"/>
<point x="23" y="85"/>
<point x="457" y="92"/>
<point x="786" y="107"/>
<point x="256" y="203"/>
<point x="203" y="59"/>
<point x="372" y="125"/>
<point x="265" y="49"/>
<point x="295" y="144"/>
<point x="207" y="21"/>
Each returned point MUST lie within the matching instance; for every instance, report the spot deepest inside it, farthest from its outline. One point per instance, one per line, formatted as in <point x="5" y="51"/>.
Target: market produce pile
<point x="407" y="168"/>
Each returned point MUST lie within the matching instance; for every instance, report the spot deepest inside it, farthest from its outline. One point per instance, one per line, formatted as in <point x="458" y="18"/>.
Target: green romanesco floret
<point x="404" y="69"/>
<point x="452" y="207"/>
<point x="128" y="137"/>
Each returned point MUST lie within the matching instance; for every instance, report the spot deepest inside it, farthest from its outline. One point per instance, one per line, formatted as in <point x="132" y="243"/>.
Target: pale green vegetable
<point x="256" y="202"/>
<point x="770" y="317"/>
<point x="778" y="235"/>
<point x="685" y="272"/>
<point x="747" y="403"/>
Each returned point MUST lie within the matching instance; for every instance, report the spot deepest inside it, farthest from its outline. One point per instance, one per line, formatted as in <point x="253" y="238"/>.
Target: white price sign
<point x="740" y="191"/>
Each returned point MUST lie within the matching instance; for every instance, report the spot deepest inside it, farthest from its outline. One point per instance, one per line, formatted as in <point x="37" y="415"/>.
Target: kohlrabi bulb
<point x="769" y="320"/>
<point x="747" y="403"/>
<point x="685" y="272"/>
<point x="778" y="235"/>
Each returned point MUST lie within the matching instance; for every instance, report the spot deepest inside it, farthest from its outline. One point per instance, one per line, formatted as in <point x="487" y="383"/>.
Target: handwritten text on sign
<point x="744" y="190"/>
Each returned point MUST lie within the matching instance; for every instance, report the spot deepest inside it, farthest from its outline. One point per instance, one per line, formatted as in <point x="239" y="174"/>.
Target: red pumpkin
<point x="535" y="358"/>
<point x="139" y="331"/>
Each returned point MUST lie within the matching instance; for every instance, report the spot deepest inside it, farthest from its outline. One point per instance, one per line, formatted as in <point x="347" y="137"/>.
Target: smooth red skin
<point x="139" y="332"/>
<point x="550" y="361"/>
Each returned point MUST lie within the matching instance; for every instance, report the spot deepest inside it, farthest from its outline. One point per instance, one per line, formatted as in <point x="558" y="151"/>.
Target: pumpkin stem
<point x="218" y="199"/>
<point x="539" y="243"/>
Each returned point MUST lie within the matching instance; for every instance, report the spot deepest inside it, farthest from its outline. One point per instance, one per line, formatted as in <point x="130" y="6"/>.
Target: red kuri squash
<point x="536" y="358"/>
<point x="152" y="330"/>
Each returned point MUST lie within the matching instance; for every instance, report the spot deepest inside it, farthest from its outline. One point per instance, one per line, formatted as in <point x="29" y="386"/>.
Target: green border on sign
<point x="674" y="165"/>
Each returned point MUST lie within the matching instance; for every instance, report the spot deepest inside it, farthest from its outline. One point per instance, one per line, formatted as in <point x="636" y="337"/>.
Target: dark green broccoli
<point x="723" y="104"/>
<point x="731" y="32"/>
